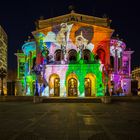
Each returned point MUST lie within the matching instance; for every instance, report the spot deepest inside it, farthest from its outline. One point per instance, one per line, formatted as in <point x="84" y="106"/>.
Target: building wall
<point x="77" y="71"/>
<point x="120" y="67"/>
<point x="3" y="55"/>
<point x="3" y="49"/>
<point x="136" y="75"/>
<point x="80" y="37"/>
<point x="76" y="52"/>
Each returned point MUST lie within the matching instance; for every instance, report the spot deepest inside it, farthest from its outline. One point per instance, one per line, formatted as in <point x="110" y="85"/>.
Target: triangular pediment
<point x="71" y="18"/>
<point x="75" y="24"/>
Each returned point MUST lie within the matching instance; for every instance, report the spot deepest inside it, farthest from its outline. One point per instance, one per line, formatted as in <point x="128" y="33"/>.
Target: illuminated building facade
<point x="136" y="75"/>
<point x="120" y="65"/>
<point x="73" y="56"/>
<point x="3" y="55"/>
<point x="25" y="74"/>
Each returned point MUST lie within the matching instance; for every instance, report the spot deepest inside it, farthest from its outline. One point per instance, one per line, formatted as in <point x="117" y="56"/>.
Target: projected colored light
<point x="81" y="71"/>
<point x="83" y="75"/>
<point x="118" y="45"/>
<point x="28" y="47"/>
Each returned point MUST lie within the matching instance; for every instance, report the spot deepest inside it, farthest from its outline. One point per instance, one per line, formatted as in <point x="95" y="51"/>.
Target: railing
<point x="73" y="62"/>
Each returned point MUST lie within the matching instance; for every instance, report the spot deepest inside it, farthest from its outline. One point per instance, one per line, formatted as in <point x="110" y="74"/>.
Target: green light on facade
<point x="81" y="70"/>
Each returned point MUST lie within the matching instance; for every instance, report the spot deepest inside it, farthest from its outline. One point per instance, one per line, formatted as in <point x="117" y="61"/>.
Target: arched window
<point x="58" y="55"/>
<point x="86" y="54"/>
<point x="101" y="55"/>
<point x="112" y="61"/>
<point x="34" y="62"/>
<point x="72" y="55"/>
<point x="120" y="61"/>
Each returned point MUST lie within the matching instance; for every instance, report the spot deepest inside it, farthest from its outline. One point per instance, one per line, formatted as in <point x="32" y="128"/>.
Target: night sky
<point x="17" y="17"/>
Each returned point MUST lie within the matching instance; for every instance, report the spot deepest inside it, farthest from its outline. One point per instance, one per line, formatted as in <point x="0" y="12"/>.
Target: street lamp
<point x="2" y="76"/>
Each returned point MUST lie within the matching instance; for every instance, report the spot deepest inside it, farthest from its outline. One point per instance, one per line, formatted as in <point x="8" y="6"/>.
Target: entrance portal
<point x="72" y="87"/>
<point x="90" y="85"/>
<point x="54" y="85"/>
<point x="87" y="87"/>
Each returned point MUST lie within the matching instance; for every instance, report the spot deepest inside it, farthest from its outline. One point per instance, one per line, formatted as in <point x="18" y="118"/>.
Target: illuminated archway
<point x="101" y="54"/>
<point x="86" y="54"/>
<point x="72" y="55"/>
<point x="72" y="85"/>
<point x="90" y="85"/>
<point x="58" y="55"/>
<point x="54" y="85"/>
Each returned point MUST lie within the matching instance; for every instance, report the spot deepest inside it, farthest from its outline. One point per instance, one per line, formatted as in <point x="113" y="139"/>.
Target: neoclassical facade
<point x="74" y="56"/>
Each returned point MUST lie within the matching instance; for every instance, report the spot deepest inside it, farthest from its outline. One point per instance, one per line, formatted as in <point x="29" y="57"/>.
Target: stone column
<point x="116" y="62"/>
<point x="129" y="59"/>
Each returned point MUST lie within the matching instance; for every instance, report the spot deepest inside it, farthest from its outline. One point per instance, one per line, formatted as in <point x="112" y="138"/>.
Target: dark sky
<point x="17" y="18"/>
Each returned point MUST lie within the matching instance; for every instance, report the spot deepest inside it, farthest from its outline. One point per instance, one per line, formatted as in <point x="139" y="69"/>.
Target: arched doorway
<point x="72" y="85"/>
<point x="54" y="85"/>
<point x="101" y="55"/>
<point x="87" y="85"/>
<point x="90" y="85"/>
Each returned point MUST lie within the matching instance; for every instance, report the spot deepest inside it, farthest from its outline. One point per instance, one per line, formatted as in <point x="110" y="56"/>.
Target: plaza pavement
<point x="69" y="121"/>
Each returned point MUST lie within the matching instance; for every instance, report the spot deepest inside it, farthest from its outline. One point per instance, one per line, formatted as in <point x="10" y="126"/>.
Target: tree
<point x="3" y="74"/>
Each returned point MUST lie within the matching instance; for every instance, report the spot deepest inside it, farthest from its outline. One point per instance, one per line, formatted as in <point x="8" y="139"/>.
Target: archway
<point x="90" y="85"/>
<point x="72" y="85"/>
<point x="54" y="85"/>
<point x="58" y="55"/>
<point x="87" y="85"/>
<point x="72" y="55"/>
<point x="101" y="55"/>
<point x="86" y="54"/>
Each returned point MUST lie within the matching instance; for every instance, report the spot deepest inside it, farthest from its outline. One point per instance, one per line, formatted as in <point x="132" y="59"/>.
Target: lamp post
<point x="2" y="76"/>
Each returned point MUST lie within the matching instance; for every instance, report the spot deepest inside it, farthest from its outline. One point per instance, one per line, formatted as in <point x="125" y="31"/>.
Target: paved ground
<point x="69" y="121"/>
